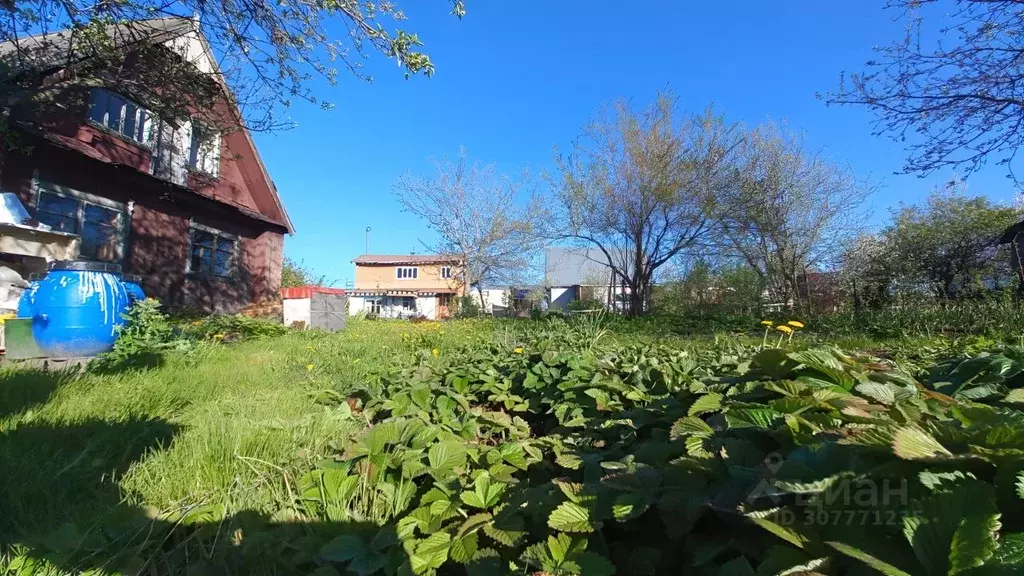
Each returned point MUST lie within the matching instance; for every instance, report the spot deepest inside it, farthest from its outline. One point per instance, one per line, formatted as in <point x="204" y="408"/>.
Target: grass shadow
<point x="59" y="475"/>
<point x="23" y="388"/>
<point x="139" y="362"/>
<point x="62" y="511"/>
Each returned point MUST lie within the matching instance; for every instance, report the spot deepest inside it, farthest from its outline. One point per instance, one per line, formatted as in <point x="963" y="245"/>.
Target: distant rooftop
<point x="406" y="259"/>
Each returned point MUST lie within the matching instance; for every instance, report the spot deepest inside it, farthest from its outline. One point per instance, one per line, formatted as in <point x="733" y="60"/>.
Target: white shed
<point x="314" y="307"/>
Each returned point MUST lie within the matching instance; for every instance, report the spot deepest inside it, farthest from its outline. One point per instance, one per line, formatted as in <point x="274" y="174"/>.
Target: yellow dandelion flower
<point x="795" y="323"/>
<point x="519" y="350"/>
<point x="784" y="328"/>
<point x="309" y="367"/>
<point x="766" y="322"/>
<point x="218" y="336"/>
<point x="435" y="352"/>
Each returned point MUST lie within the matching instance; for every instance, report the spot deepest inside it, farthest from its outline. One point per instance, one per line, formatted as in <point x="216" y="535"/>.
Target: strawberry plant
<point x="579" y="460"/>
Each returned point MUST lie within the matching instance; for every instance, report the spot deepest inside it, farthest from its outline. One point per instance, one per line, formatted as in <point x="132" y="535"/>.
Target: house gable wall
<point x="158" y="240"/>
<point x="385" y="277"/>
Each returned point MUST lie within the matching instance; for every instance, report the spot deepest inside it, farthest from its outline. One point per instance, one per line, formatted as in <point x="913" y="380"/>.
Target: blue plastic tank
<point x="28" y="296"/>
<point x="133" y="285"/>
<point x="78" y="308"/>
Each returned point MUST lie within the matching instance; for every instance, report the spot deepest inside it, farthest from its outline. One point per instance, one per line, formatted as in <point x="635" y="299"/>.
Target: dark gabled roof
<point x="407" y="259"/>
<point x="44" y="52"/>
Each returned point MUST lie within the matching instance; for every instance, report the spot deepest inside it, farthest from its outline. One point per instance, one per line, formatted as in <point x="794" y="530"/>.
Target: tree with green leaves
<point x="947" y="246"/>
<point x="297" y="274"/>
<point x="267" y="53"/>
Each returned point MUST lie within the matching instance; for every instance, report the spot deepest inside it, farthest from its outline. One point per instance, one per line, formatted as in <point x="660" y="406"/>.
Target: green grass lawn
<point x="223" y="431"/>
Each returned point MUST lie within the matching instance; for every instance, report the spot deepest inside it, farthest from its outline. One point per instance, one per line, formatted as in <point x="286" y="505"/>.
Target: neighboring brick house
<point x="192" y="211"/>
<point x="398" y="286"/>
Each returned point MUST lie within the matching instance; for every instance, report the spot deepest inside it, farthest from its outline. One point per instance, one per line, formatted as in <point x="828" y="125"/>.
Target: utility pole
<point x="367" y="240"/>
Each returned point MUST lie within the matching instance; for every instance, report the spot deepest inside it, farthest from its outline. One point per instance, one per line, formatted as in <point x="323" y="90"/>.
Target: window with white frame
<point x="407" y="272"/>
<point x="446" y="272"/>
<point x="120" y="115"/>
<point x="408" y="303"/>
<point x="204" y="151"/>
<point x="100" y="223"/>
<point x="211" y="252"/>
<point x="373" y="306"/>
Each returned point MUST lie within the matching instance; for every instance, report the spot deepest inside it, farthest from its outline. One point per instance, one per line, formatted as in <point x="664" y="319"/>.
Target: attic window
<point x="407" y="273"/>
<point x="119" y="114"/>
<point x="204" y="152"/>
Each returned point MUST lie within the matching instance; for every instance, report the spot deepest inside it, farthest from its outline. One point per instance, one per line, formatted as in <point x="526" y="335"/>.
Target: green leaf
<point x="366" y="564"/>
<point x="380" y="436"/>
<point x="445" y="456"/>
<point x="691" y="426"/>
<point x="558" y="546"/>
<point x="706" y="403"/>
<point x="1015" y="396"/>
<point x="343" y="548"/>
<point x="575" y="491"/>
<point x="1020" y="485"/>
<point x="825" y="363"/>
<point x="853" y="552"/>
<point x="629" y="505"/>
<point x="485" y="495"/>
<point x="764" y="418"/>
<point x="570" y="517"/>
<point x="951" y="531"/>
<point x="881" y="393"/>
<point x="463" y="549"/>
<point x="912" y="443"/>
<point x="780" y="529"/>
<point x="430" y="553"/>
<point x="592" y="564"/>
<point x="473" y="523"/>
<point x="514" y="454"/>
<point x="505" y="534"/>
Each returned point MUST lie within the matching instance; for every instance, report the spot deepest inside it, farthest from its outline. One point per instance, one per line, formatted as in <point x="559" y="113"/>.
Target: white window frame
<point x="411" y="272"/>
<point x="217" y="234"/>
<point x="143" y="133"/>
<point x="204" y="155"/>
<point x="124" y="222"/>
<point x="374" y="306"/>
<point x="446" y="272"/>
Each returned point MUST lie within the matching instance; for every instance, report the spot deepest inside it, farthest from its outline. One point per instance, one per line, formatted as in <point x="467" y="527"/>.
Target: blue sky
<point x="516" y="78"/>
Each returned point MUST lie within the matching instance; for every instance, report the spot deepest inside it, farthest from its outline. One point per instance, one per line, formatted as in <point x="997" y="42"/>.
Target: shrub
<point x="585" y="305"/>
<point x="141" y="340"/>
<point x="468" y="307"/>
<point x="233" y="327"/>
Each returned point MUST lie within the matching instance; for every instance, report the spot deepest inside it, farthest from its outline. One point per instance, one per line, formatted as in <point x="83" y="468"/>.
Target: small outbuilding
<point x="315" y="307"/>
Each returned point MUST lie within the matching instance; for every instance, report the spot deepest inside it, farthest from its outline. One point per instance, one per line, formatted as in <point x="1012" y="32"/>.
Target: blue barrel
<point x="133" y="285"/>
<point x="77" y="309"/>
<point x="28" y="296"/>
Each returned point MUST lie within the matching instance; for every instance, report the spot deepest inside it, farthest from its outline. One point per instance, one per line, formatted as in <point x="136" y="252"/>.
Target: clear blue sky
<point x="516" y="78"/>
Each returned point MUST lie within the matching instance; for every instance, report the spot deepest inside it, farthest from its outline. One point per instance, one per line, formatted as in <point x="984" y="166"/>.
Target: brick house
<point x="191" y="210"/>
<point x="398" y="286"/>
